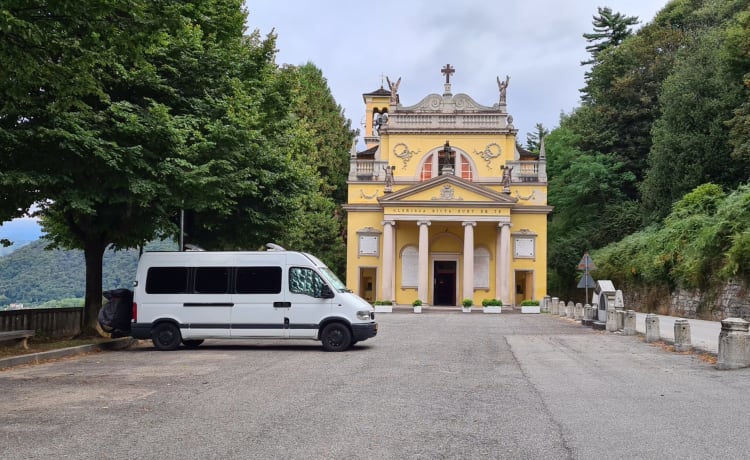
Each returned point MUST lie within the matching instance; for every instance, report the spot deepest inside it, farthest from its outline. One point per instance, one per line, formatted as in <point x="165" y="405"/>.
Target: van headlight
<point x="363" y="315"/>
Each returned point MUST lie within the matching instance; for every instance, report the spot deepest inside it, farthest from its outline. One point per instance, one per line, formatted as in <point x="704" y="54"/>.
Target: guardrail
<point x="53" y="322"/>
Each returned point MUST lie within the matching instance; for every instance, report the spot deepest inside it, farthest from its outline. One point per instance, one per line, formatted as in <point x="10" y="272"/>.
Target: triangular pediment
<point x="447" y="189"/>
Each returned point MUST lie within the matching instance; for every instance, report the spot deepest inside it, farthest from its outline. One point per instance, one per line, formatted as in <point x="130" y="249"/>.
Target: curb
<point x="36" y="358"/>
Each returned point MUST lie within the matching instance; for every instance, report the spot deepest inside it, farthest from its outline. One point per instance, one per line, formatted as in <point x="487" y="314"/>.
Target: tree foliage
<point x="690" y="139"/>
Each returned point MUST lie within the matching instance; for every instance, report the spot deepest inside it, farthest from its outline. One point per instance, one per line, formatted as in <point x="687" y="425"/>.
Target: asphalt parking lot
<point x="435" y="385"/>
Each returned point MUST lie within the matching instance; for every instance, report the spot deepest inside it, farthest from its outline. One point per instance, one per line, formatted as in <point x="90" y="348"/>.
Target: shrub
<point x="416" y="303"/>
<point x="467" y="302"/>
<point x="527" y="303"/>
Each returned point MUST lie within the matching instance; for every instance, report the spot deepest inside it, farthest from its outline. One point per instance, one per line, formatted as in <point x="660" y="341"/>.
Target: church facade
<point x="443" y="205"/>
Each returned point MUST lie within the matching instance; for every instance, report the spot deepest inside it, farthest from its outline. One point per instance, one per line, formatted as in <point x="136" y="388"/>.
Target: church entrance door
<point x="444" y="283"/>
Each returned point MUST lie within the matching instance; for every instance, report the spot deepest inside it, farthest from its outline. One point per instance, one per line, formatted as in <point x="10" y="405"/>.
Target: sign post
<point x="586" y="281"/>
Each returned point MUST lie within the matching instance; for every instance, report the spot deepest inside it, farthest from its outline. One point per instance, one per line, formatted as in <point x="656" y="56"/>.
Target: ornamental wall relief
<point x="447" y="193"/>
<point x="362" y="194"/>
<point x="402" y="152"/>
<point x="490" y="152"/>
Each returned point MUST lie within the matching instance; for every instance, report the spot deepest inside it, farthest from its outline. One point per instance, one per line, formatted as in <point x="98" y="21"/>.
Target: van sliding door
<point x="257" y="311"/>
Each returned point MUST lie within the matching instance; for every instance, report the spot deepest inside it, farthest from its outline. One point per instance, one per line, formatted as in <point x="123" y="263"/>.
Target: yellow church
<point x="443" y="205"/>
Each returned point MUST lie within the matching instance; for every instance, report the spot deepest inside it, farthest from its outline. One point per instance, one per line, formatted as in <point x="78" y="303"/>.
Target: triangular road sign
<point x="586" y="282"/>
<point x="586" y="263"/>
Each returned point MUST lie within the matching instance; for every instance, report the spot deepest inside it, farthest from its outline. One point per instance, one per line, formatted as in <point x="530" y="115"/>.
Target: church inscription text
<point x="450" y="211"/>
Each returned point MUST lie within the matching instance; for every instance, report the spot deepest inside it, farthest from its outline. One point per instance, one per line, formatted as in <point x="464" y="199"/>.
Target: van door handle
<point x="282" y="304"/>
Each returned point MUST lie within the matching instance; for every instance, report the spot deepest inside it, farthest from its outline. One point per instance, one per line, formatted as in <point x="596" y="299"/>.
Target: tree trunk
<point x="93" y="253"/>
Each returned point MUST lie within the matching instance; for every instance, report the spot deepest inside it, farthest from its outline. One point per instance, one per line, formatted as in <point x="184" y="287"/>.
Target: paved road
<point x="704" y="335"/>
<point x="436" y="385"/>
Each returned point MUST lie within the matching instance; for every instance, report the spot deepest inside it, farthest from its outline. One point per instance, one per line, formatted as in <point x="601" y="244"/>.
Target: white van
<point x="186" y="297"/>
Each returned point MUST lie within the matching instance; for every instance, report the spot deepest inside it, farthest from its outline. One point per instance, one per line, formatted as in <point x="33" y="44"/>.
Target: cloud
<point x="538" y="43"/>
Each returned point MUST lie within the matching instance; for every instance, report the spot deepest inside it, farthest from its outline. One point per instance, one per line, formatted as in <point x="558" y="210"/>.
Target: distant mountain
<point x="21" y="232"/>
<point x="33" y="275"/>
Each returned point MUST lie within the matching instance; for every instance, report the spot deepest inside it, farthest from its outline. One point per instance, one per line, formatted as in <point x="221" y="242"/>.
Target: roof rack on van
<point x="274" y="247"/>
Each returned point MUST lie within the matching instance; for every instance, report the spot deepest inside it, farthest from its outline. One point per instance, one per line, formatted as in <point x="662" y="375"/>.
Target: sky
<point x="538" y="43"/>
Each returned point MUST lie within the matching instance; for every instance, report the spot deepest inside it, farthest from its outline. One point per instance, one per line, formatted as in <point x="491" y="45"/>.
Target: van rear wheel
<point x="166" y="336"/>
<point x="336" y="337"/>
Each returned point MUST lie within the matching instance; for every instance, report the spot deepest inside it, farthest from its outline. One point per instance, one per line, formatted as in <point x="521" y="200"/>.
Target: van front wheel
<point x="336" y="337"/>
<point x="166" y="336"/>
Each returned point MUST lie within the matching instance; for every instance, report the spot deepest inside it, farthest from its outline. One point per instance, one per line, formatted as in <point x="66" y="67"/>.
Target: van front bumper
<point x="364" y="331"/>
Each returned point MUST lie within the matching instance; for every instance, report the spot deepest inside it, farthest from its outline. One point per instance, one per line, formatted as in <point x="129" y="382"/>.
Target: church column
<point x="502" y="263"/>
<point x="424" y="260"/>
<point x="388" y="259"/>
<point x="468" y="260"/>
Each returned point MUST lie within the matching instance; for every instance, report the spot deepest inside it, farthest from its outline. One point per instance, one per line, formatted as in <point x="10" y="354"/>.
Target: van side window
<point x="167" y="280"/>
<point x="212" y="280"/>
<point x="258" y="280"/>
<point x="305" y="281"/>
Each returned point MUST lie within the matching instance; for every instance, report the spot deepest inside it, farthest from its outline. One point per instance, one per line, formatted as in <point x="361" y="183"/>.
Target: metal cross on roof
<point x="447" y="71"/>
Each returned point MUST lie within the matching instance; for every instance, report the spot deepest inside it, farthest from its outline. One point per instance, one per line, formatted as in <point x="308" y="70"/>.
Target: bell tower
<point x="376" y="114"/>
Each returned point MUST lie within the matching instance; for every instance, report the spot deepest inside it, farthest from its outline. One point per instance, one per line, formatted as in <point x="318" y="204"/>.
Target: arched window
<point x="426" y="171"/>
<point x="432" y="167"/>
<point x="465" y="169"/>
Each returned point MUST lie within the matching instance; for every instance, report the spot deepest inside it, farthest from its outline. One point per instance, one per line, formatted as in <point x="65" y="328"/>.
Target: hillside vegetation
<point x="704" y="242"/>
<point x="34" y="276"/>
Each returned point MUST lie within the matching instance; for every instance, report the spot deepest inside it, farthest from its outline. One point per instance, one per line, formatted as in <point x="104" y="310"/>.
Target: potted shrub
<point x="383" y="306"/>
<point x="466" y="305"/>
<point x="492" y="305"/>
<point x="417" y="304"/>
<point x="530" y="306"/>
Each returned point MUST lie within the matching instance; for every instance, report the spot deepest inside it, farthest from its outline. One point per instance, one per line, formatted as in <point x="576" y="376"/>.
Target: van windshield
<point x="333" y="279"/>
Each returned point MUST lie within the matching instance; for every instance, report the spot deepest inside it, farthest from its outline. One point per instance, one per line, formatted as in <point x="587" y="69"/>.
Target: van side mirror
<point x="326" y="292"/>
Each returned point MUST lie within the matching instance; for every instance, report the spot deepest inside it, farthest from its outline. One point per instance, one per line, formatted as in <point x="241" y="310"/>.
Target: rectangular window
<point x="212" y="280"/>
<point x="259" y="280"/>
<point x="167" y="280"/>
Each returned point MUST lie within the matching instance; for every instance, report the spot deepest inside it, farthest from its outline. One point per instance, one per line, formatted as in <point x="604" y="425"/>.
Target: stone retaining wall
<point x="731" y="301"/>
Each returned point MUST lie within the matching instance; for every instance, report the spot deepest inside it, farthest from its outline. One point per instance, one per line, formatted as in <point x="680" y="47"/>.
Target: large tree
<point x="610" y="29"/>
<point x="117" y="115"/>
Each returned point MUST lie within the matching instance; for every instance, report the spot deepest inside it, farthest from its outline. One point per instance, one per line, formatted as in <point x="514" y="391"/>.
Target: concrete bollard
<point x="652" y="328"/>
<point x="620" y="315"/>
<point x="629" y="327"/>
<point x="734" y="344"/>
<point x="555" y="304"/>
<point x="682" y="340"/>
<point x="588" y="315"/>
<point x="611" y="324"/>
<point x="570" y="309"/>
<point x="545" y="304"/>
<point x="578" y="312"/>
<point x="561" y="308"/>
